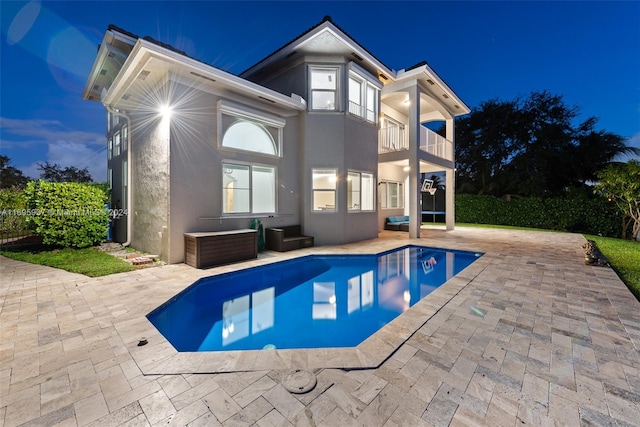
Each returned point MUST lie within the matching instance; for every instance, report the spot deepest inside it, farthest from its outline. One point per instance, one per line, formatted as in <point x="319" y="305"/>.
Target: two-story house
<point x="319" y="133"/>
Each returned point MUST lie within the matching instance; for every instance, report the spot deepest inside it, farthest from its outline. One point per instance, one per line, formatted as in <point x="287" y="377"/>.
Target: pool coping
<point x="162" y="358"/>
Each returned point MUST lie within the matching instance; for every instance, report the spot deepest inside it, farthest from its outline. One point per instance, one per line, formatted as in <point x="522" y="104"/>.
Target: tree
<point x="11" y="176"/>
<point x="620" y="183"/>
<point x="55" y="173"/>
<point x="531" y="147"/>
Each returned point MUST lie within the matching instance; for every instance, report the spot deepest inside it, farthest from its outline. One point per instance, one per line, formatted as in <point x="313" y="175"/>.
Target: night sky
<point x="589" y="52"/>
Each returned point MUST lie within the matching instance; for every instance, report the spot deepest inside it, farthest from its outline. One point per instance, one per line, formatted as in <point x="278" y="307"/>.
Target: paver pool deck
<point x="527" y="335"/>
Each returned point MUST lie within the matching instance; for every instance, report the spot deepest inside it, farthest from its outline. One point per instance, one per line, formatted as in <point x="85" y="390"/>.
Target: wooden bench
<point x="287" y="238"/>
<point x="209" y="249"/>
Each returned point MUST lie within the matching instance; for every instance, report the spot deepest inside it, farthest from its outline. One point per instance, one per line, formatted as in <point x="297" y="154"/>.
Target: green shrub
<point x="13" y="206"/>
<point x="66" y="214"/>
<point x="592" y="216"/>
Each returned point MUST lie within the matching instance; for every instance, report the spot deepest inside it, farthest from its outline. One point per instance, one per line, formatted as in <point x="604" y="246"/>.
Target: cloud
<point x="38" y="140"/>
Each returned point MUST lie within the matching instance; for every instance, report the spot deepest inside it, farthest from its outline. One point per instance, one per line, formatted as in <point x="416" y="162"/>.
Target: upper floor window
<point x="246" y="129"/>
<point x="245" y="135"/>
<point x="110" y="148"/>
<point x="125" y="137"/>
<point x="363" y="98"/>
<point x="324" y="88"/>
<point x="116" y="145"/>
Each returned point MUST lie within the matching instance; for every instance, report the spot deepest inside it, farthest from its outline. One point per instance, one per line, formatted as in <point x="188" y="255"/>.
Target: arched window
<point x="249" y="136"/>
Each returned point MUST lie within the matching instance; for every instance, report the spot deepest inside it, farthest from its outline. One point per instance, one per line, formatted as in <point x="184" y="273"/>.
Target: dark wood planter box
<point x="202" y="250"/>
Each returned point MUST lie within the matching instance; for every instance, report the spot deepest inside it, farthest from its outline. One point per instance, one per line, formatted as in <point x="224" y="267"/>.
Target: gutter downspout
<point x="129" y="186"/>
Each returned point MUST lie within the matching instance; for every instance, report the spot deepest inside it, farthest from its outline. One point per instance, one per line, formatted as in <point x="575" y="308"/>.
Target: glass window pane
<point x="383" y="195"/>
<point x="353" y="191"/>
<point x="324" y="179"/>
<point x="264" y="189"/>
<point x="324" y="200"/>
<point x="371" y="103"/>
<point x="249" y="136"/>
<point x="354" y="91"/>
<point x="235" y="188"/>
<point x="323" y="78"/>
<point x="366" y="196"/>
<point x="323" y="100"/>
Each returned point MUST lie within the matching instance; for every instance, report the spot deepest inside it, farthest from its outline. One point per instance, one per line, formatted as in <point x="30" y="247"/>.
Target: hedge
<point x="12" y="204"/>
<point x="67" y="214"/>
<point x="591" y="216"/>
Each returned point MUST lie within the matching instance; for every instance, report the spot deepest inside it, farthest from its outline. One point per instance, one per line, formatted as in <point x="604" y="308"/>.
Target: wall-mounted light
<point x="165" y="110"/>
<point x="406" y="169"/>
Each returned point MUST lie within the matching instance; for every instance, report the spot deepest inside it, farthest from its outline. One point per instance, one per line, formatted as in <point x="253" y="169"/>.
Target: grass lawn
<point x="624" y="257"/>
<point x="88" y="261"/>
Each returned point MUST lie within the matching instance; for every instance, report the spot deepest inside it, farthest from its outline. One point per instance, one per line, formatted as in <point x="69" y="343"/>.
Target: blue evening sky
<point x="589" y="52"/>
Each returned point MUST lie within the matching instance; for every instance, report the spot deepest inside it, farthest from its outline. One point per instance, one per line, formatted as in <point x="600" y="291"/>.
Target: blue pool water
<point x="309" y="302"/>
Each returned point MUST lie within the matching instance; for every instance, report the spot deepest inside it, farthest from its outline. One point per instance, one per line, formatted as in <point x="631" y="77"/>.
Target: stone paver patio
<point x="528" y="335"/>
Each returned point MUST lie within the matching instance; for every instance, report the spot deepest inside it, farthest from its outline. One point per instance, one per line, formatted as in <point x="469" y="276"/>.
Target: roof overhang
<point x="432" y="83"/>
<point x="149" y="63"/>
<point x="112" y="54"/>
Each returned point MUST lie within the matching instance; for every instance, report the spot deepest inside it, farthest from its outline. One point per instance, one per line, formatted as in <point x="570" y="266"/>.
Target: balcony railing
<point x="391" y="139"/>
<point x="435" y="144"/>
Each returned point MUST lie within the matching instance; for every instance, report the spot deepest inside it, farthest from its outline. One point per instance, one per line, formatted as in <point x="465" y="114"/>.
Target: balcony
<point x="393" y="139"/>
<point x="435" y="144"/>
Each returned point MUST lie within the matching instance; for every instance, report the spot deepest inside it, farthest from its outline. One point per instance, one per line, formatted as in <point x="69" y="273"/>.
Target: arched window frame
<point x="272" y="125"/>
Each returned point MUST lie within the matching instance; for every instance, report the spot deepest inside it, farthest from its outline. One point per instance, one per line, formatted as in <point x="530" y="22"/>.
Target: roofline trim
<point x="144" y="46"/>
<point x="325" y="25"/>
<point x="426" y="70"/>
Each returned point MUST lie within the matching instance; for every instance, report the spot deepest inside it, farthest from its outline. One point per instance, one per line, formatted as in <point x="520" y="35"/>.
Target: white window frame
<point x="110" y="148"/>
<point x="334" y="190"/>
<point x="243" y="113"/>
<point x="385" y="200"/>
<point x="125" y="134"/>
<point x="363" y="109"/>
<point x="336" y="91"/>
<point x="117" y="144"/>
<point x="251" y="167"/>
<point x="357" y="175"/>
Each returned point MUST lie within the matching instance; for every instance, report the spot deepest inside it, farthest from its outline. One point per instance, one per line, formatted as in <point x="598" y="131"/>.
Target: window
<point x="324" y="88"/>
<point x="248" y="189"/>
<point x="249" y="136"/>
<point x="246" y="129"/>
<point x="125" y="183"/>
<point x="125" y="135"/>
<point x="360" y="191"/>
<point x="391" y="195"/>
<point x="116" y="144"/>
<point x="109" y="148"/>
<point x="324" y="190"/>
<point x="363" y="98"/>
<point x="110" y="178"/>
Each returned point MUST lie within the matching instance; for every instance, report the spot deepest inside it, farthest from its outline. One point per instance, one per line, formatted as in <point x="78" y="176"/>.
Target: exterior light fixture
<point x="165" y="110"/>
<point x="406" y="169"/>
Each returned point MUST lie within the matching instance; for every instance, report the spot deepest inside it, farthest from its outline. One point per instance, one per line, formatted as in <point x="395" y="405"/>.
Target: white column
<point x="450" y="202"/>
<point x="415" y="209"/>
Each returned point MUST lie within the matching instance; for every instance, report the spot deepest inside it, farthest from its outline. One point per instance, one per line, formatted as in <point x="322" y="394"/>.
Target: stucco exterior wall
<point x="150" y="184"/>
<point x="196" y="173"/>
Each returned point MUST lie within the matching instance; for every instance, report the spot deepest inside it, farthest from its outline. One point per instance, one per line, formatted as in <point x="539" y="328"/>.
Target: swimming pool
<point x="308" y="302"/>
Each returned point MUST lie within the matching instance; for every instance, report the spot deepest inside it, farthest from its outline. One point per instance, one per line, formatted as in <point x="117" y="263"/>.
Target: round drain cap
<point x="299" y="381"/>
